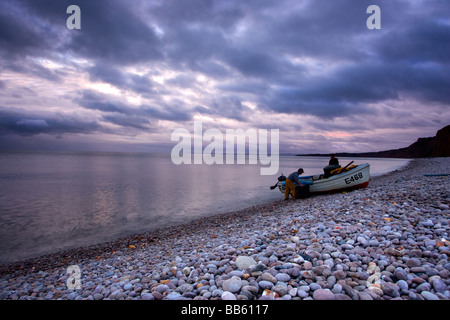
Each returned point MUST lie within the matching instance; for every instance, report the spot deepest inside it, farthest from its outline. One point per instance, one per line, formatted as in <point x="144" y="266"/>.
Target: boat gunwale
<point x="321" y="183"/>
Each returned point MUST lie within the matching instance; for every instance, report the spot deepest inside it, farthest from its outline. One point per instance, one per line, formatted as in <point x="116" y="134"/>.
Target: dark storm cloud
<point x="130" y="121"/>
<point x="127" y="81"/>
<point x="29" y="123"/>
<point x="425" y="41"/>
<point x="111" y="31"/>
<point x="22" y="39"/>
<point x="312" y="57"/>
<point x="203" y="35"/>
<point x="350" y="89"/>
<point x="125" y="114"/>
<point x="16" y="38"/>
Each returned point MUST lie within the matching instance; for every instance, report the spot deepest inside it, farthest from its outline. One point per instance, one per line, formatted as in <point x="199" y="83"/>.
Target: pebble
<point x="268" y="277"/>
<point x="233" y="284"/>
<point x="264" y="284"/>
<point x="283" y="277"/>
<point x="429" y="296"/>
<point x="173" y="296"/>
<point x="392" y="237"/>
<point x="402" y="284"/>
<point x="413" y="262"/>
<point x="98" y="296"/>
<point x="302" y="294"/>
<point x="147" y="296"/>
<point x="323" y="294"/>
<point x="128" y="286"/>
<point x="243" y="262"/>
<point x="281" y="288"/>
<point x="227" y="295"/>
<point x="439" y="285"/>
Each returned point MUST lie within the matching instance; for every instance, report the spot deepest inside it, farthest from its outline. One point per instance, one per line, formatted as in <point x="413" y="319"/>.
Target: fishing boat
<point x="355" y="177"/>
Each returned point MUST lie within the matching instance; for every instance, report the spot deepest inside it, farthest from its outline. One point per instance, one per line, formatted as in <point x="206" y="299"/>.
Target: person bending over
<point x="290" y="187"/>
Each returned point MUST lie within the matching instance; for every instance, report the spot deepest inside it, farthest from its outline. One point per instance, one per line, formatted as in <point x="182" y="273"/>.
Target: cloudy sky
<point x="137" y="70"/>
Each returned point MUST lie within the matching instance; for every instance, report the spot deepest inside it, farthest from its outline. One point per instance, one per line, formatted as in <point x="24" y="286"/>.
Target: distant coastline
<point x="437" y="146"/>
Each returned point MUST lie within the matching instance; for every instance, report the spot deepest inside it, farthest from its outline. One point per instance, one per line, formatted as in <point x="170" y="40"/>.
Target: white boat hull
<point x="353" y="179"/>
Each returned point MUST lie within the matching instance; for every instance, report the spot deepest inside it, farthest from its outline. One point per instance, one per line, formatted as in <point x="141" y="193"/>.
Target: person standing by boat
<point x="290" y="186"/>
<point x="332" y="164"/>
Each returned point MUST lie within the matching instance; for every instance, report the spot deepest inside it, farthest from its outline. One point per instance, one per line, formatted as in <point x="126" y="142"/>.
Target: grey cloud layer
<point x="291" y="57"/>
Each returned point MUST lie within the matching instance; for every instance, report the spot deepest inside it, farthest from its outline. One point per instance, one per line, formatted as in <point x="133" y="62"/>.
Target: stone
<point x="293" y="292"/>
<point x="307" y="265"/>
<point x="429" y="243"/>
<point x="162" y="288"/>
<point x="186" y="271"/>
<point x="128" y="286"/>
<point x="227" y="295"/>
<point x="391" y="290"/>
<point x="173" y="296"/>
<point x="337" y="288"/>
<point x="281" y="289"/>
<point x="364" y="296"/>
<point x="339" y="274"/>
<point x="217" y="293"/>
<point x="264" y="284"/>
<point x="427" y="223"/>
<point x="249" y="291"/>
<point x="236" y="273"/>
<point x="98" y="296"/>
<point x="423" y="287"/>
<point x="349" y="291"/>
<point x="257" y="268"/>
<point x="314" y="286"/>
<point x="268" y="277"/>
<point x="402" y="284"/>
<point x="147" y="296"/>
<point x="429" y="296"/>
<point x="233" y="284"/>
<point x="439" y="285"/>
<point x="157" y="295"/>
<point x="341" y="296"/>
<point x="293" y="272"/>
<point x="243" y="262"/>
<point x="185" y="288"/>
<point x="363" y="241"/>
<point x="323" y="294"/>
<point x="329" y="263"/>
<point x="413" y="262"/>
<point x="418" y="270"/>
<point x="283" y="277"/>
<point x="302" y="294"/>
<point x="400" y="274"/>
<point x="331" y="281"/>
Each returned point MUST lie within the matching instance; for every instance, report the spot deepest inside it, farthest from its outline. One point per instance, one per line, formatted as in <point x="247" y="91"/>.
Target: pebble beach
<point x="390" y="241"/>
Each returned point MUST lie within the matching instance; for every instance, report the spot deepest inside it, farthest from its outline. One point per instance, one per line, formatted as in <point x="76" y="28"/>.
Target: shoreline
<point x="158" y="257"/>
<point x="91" y="250"/>
<point x="95" y="250"/>
<point x="29" y="254"/>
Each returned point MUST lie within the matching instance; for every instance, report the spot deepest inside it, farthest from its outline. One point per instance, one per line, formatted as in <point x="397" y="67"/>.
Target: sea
<point x="52" y="201"/>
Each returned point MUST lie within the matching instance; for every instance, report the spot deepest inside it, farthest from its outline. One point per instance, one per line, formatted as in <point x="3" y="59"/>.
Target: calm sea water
<point x="54" y="201"/>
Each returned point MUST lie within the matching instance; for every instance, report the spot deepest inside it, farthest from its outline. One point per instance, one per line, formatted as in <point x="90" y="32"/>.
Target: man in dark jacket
<point x="332" y="164"/>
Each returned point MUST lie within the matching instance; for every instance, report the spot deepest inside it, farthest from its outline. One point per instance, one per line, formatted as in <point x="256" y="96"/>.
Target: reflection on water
<point x="51" y="201"/>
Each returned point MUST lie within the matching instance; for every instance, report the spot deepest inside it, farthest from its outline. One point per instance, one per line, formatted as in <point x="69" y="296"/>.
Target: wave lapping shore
<point x="388" y="241"/>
